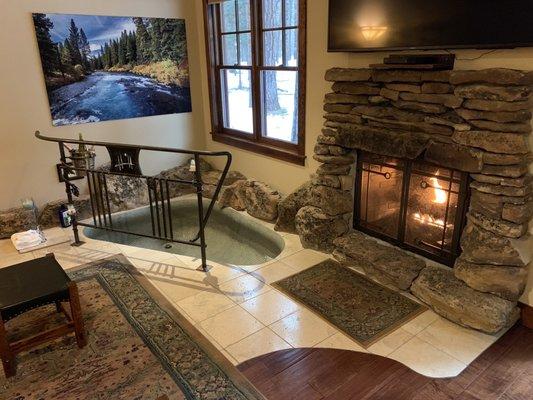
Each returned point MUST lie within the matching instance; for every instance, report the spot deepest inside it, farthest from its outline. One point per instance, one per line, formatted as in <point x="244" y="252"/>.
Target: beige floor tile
<point x="303" y="329"/>
<point x="243" y="288"/>
<point x="292" y="245"/>
<point x="204" y="305"/>
<point x="273" y="272"/>
<point x="340" y="341"/>
<point x="420" y="322"/>
<point x="463" y="344"/>
<point x="152" y="255"/>
<point x="389" y="343"/>
<point x="231" y="326"/>
<point x="304" y="259"/>
<point x="427" y="360"/>
<point x="270" y="307"/>
<point x="261" y="342"/>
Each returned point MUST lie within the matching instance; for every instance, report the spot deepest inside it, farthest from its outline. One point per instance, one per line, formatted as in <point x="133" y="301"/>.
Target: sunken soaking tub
<point x="231" y="238"/>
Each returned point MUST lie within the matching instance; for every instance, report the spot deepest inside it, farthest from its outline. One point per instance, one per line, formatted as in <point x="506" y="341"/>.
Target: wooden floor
<point x="504" y="372"/>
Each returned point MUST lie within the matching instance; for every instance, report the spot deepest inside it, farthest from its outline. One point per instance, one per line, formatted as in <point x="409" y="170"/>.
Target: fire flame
<point x="429" y="220"/>
<point x="441" y="196"/>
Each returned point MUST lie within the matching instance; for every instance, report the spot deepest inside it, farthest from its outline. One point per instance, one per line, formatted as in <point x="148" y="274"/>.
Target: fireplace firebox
<point x="412" y="204"/>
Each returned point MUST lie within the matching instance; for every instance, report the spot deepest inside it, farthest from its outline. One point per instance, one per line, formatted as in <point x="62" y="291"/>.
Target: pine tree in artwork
<point x="155" y="29"/>
<point x="74" y="40"/>
<point x="47" y="48"/>
<point x="143" y="42"/>
<point x="85" y="48"/>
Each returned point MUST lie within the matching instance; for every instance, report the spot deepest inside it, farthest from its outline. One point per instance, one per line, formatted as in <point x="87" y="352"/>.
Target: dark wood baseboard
<point x="526" y="315"/>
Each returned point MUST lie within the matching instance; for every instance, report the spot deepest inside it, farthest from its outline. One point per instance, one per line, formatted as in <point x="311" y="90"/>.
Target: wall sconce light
<point x="371" y="33"/>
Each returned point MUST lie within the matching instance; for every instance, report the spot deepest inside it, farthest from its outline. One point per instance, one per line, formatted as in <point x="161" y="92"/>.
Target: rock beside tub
<point x="125" y="192"/>
<point x="257" y="198"/>
<point x="289" y="206"/>
<point x="15" y="220"/>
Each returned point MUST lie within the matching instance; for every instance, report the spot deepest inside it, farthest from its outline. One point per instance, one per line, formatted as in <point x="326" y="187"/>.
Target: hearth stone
<point x="404" y="87"/>
<point x="355" y="88"/>
<point x="288" y="208"/>
<point x="512" y="171"/>
<point x="388" y="76"/>
<point x="339" y="160"/>
<point x="338" y="108"/>
<point x="448" y="100"/>
<point x="483" y="247"/>
<point x="333" y="169"/>
<point x="497" y="226"/>
<point x="502" y="116"/>
<point x="486" y="204"/>
<point x="497" y="76"/>
<point x="520" y="182"/>
<point x="348" y="75"/>
<point x="503" y="281"/>
<point x="383" y="262"/>
<point x="389" y="94"/>
<point x="455" y="300"/>
<point x="518" y="213"/>
<point x="334" y="98"/>
<point x="496" y="142"/>
<point x="427" y="108"/>
<point x="493" y="93"/>
<point x="317" y="230"/>
<point x="502" y="127"/>
<point x="511" y="191"/>
<point x="502" y="159"/>
<point x="326" y="180"/>
<point x="497" y="106"/>
<point x="409" y="126"/>
<point x="455" y="156"/>
<point x="343" y="118"/>
<point x="437" y="88"/>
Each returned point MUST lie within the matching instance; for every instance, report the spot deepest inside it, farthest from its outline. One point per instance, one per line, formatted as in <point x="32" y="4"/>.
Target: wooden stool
<point x="33" y="284"/>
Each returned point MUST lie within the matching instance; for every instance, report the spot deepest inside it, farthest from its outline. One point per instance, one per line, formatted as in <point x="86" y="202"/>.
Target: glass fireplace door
<point x="413" y="204"/>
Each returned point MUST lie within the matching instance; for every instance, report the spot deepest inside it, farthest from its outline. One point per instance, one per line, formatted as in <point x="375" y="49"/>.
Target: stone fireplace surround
<point x="477" y="122"/>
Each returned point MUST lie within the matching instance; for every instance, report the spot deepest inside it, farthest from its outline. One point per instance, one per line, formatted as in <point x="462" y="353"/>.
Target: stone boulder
<point x="384" y="263"/>
<point x="289" y="206"/>
<point x="124" y="192"/>
<point x="483" y="247"/>
<point x="258" y="199"/>
<point x="317" y="230"/>
<point x="503" y="281"/>
<point x="15" y="220"/>
<point x="48" y="215"/>
<point x="233" y="196"/>
<point x="455" y="300"/>
<point x="332" y="201"/>
<point x="183" y="172"/>
<point x="211" y="178"/>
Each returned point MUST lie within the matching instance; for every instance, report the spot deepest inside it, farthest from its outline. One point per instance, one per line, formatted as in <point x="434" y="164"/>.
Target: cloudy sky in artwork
<point x="98" y="29"/>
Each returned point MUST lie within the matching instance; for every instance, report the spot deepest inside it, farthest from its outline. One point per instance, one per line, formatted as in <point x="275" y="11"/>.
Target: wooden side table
<point x="30" y="285"/>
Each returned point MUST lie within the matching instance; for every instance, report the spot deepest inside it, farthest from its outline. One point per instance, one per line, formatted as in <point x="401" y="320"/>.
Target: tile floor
<point x="242" y="315"/>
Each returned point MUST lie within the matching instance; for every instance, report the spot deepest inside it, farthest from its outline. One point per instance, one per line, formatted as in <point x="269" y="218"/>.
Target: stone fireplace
<point x="433" y="162"/>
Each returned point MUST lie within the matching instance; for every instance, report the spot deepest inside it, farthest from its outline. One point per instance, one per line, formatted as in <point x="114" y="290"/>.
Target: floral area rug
<point x="138" y="347"/>
<point x="353" y="303"/>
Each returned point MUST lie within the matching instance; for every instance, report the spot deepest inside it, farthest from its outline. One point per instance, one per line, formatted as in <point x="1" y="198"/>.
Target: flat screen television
<point x="376" y="25"/>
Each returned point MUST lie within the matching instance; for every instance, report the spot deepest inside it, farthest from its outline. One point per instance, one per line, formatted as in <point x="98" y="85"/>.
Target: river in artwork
<point x="104" y="96"/>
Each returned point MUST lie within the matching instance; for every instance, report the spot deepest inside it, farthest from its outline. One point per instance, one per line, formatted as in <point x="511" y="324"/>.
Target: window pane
<point x="272" y="48"/>
<point x="280" y="104"/>
<point x="244" y="14"/>
<point x="291" y="12"/>
<point x="291" y="47"/>
<point x="229" y="49"/>
<point x="228" y="16"/>
<point x="237" y="94"/>
<point x="245" y="42"/>
<point x="272" y="14"/>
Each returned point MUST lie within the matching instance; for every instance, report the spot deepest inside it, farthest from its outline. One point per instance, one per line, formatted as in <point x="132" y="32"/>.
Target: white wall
<point x="27" y="165"/>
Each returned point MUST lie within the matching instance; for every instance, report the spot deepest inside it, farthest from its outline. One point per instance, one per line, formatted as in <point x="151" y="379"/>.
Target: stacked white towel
<point x="25" y="240"/>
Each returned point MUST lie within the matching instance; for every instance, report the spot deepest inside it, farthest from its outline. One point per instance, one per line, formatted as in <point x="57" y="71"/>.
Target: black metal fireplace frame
<point x="158" y="190"/>
<point x="446" y="258"/>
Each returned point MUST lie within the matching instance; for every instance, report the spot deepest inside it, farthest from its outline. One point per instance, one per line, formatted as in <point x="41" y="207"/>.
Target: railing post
<point x="199" y="189"/>
<point x="68" y="189"/>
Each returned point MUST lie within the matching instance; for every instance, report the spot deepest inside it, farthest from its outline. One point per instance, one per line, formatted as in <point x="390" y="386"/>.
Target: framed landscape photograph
<point x="100" y="68"/>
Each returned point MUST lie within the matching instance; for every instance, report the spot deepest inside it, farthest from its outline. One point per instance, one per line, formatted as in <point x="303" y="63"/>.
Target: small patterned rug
<point x="361" y="308"/>
<point x="138" y="347"/>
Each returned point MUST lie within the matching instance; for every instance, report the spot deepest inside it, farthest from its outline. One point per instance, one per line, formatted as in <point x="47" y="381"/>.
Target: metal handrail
<point x="98" y="205"/>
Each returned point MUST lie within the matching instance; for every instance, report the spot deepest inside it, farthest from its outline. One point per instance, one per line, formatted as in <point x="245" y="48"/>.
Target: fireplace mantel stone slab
<point x="477" y="122"/>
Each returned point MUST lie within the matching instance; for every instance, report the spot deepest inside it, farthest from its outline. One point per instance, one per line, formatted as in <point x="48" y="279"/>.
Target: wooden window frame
<point x="255" y="142"/>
